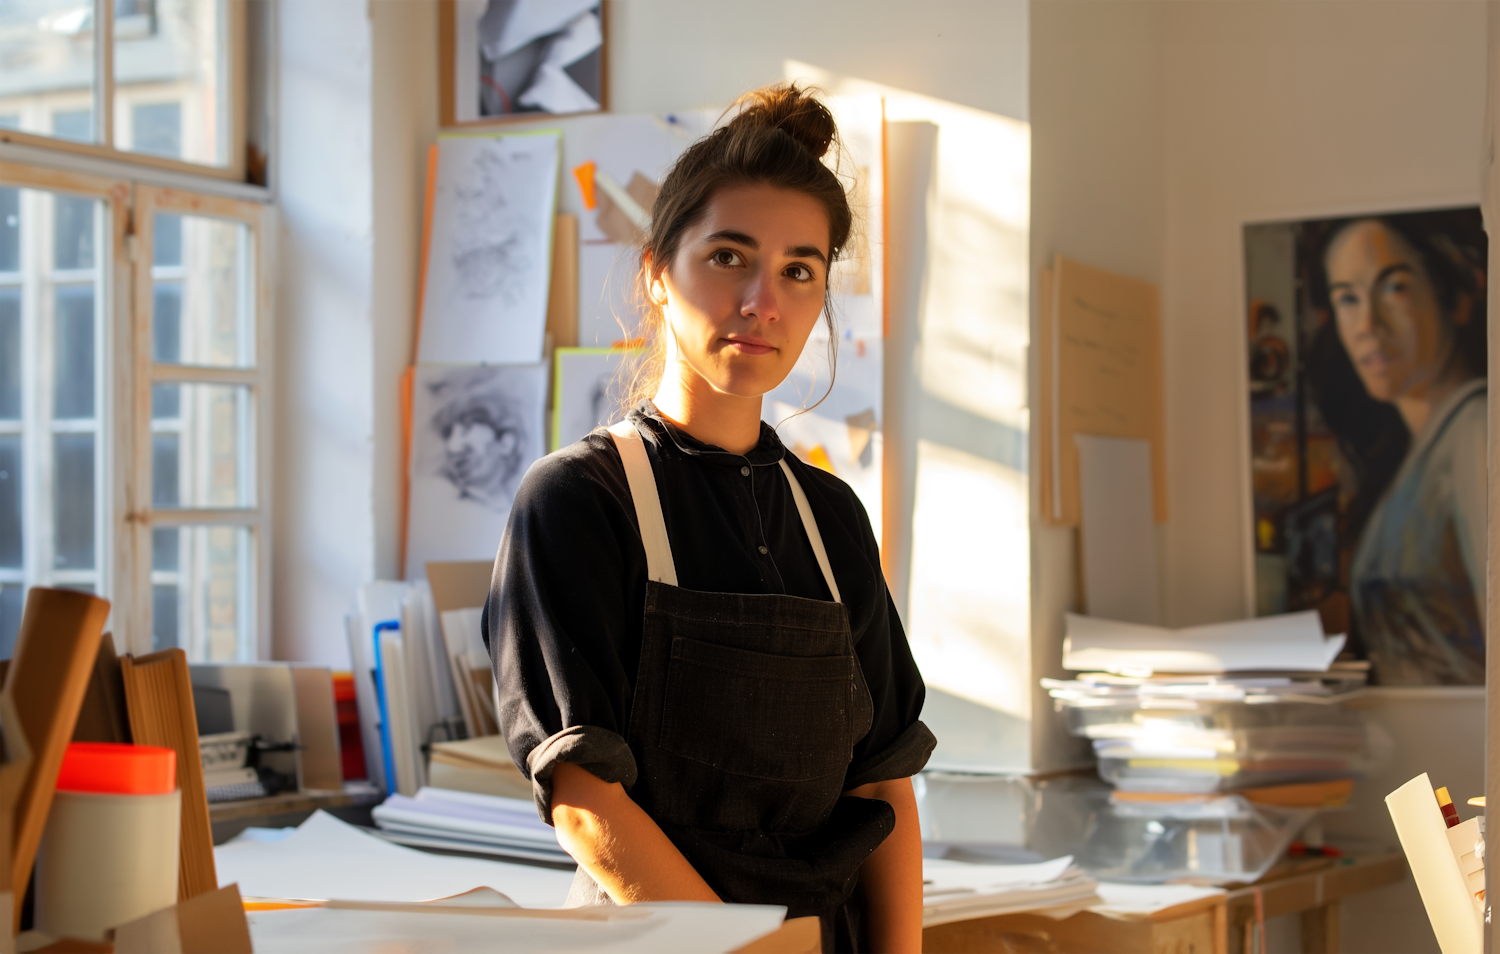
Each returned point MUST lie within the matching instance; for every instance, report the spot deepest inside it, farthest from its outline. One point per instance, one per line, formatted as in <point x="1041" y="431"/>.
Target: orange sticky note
<point x="585" y="176"/>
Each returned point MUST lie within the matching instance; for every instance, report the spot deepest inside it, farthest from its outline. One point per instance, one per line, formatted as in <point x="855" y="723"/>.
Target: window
<point x="158" y="80"/>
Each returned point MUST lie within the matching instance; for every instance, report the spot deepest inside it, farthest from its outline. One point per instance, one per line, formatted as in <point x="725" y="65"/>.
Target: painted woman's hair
<point x="778" y="136"/>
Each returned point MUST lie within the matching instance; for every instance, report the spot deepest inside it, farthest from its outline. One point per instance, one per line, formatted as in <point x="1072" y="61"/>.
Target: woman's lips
<point x="749" y="345"/>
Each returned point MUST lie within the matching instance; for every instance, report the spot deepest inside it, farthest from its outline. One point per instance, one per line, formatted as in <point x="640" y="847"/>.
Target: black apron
<point x="745" y="715"/>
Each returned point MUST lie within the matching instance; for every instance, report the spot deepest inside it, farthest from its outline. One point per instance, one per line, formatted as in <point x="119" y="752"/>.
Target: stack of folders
<point x="1214" y="709"/>
<point x="403" y="682"/>
<point x="480" y="765"/>
<point x="1447" y="863"/>
<point x="469" y="822"/>
<point x="958" y="891"/>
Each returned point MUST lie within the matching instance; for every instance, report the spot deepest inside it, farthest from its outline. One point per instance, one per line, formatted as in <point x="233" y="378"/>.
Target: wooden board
<point x="562" y="295"/>
<point x="159" y="695"/>
<point x="103" y="717"/>
<point x="1100" y="364"/>
<point x="462" y="584"/>
<point x="317" y="728"/>
<point x="46" y="682"/>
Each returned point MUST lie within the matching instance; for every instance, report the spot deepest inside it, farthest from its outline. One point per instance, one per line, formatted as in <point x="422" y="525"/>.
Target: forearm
<point x="892" y="875"/>
<point x="618" y="844"/>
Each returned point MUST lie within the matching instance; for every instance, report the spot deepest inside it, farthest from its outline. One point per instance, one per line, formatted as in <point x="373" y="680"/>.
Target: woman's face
<point x="745" y="288"/>
<point x="1387" y="311"/>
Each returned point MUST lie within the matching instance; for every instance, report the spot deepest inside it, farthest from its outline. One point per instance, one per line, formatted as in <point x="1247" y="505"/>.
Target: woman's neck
<point x="709" y="415"/>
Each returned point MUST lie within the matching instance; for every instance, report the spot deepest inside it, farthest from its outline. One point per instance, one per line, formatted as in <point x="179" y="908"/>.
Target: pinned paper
<point x="584" y="173"/>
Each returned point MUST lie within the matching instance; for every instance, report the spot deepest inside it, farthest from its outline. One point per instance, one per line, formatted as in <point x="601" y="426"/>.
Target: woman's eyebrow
<point x="1385" y="273"/>
<point x="807" y="251"/>
<point x="737" y="237"/>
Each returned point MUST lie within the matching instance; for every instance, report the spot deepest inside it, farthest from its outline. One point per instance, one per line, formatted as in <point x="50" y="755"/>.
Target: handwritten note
<point x="1100" y="363"/>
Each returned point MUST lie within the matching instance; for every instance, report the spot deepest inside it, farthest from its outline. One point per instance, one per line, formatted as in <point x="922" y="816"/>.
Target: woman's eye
<point x="1346" y="300"/>
<point x="799" y="273"/>
<point x="725" y="257"/>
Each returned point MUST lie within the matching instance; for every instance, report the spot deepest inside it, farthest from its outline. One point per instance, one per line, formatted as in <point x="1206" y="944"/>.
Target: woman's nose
<point x="759" y="299"/>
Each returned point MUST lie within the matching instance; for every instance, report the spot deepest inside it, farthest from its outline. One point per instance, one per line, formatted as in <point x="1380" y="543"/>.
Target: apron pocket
<point x="785" y="718"/>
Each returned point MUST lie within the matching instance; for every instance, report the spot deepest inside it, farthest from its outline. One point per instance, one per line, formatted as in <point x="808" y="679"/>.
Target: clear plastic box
<point x="1217" y="840"/>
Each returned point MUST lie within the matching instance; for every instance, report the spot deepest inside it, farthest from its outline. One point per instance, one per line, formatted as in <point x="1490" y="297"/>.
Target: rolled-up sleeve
<point x="562" y="622"/>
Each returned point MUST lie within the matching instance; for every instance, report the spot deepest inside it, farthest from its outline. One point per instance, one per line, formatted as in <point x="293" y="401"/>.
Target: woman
<point x="1408" y="306"/>
<point x="700" y="667"/>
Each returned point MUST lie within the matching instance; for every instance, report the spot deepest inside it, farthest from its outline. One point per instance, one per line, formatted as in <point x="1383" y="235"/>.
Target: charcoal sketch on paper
<point x="587" y="391"/>
<point x="489" y="259"/>
<point x="528" y="57"/>
<point x="475" y="430"/>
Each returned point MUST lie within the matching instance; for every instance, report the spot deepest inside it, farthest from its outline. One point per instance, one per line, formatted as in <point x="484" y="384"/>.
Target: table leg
<point x="1320" y="929"/>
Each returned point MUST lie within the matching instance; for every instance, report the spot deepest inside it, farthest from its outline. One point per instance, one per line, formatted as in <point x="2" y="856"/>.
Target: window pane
<point x="172" y="48"/>
<point x="75" y="124"/>
<point x="204" y="459"/>
<point x="167" y="238"/>
<point x="73" y="357"/>
<point x="10" y="501"/>
<point x="164" y="549"/>
<point x="166" y="401"/>
<point x="12" y="599"/>
<point x="10" y="120"/>
<point x="164" y="470"/>
<point x="10" y="354"/>
<point x="206" y="298"/>
<point x="166" y="322"/>
<point x="47" y="52"/>
<point x="10" y="230"/>
<point x="156" y="128"/>
<point x="73" y="501"/>
<point x="73" y="232"/>
<point x="216" y="617"/>
<point x="164" y="633"/>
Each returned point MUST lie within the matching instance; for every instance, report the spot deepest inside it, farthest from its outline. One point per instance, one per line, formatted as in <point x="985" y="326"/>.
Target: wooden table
<point x="1222" y="924"/>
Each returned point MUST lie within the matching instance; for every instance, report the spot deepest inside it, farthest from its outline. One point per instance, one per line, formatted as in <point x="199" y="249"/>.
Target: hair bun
<point x="791" y="109"/>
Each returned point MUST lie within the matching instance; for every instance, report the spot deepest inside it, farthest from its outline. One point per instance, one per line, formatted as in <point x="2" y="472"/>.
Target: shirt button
<point x="764" y="550"/>
<point x="744" y="472"/>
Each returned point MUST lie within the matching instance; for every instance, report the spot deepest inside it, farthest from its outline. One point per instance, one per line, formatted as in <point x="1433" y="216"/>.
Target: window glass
<point x="12" y="599"/>
<point x="47" y="66"/>
<point x="200" y="298"/>
<point x="10" y="501"/>
<point x="170" y="80"/>
<point x="73" y="232"/>
<point x="73" y="501"/>
<point x="10" y="230"/>
<point x="201" y="458"/>
<point x="74" y="124"/>
<point x="10" y="120"/>
<point x="213" y="619"/>
<point x="166" y="402"/>
<point x="73" y="352"/>
<point x="167" y="239"/>
<point x="164" y="601"/>
<point x="10" y="353"/>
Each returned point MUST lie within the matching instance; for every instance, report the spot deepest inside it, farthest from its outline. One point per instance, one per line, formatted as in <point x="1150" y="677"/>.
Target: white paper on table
<point x="490" y="255"/>
<point x="325" y="858"/>
<point x="518" y="825"/>
<point x="674" y="926"/>
<point x="1292" y="642"/>
<point x="1424" y="837"/>
<point x="1118" y="529"/>
<point x="941" y="876"/>
<point x="1120" y="899"/>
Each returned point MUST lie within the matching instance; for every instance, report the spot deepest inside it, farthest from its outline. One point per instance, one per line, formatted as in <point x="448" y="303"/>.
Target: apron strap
<point x="811" y="526"/>
<point x="659" y="565"/>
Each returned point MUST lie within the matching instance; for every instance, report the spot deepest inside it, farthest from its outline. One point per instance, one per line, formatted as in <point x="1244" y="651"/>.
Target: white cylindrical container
<point x="107" y="858"/>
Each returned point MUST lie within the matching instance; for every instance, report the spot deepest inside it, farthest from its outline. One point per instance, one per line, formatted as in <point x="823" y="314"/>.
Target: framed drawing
<point x="512" y="58"/>
<point x="1367" y="375"/>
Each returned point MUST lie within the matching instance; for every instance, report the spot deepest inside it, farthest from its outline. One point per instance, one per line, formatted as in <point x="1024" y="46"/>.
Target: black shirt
<point x="565" y="612"/>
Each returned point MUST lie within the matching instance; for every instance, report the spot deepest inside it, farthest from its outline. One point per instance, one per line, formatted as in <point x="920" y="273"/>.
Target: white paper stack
<point x="465" y="821"/>
<point x="1293" y="642"/>
<point x="957" y="890"/>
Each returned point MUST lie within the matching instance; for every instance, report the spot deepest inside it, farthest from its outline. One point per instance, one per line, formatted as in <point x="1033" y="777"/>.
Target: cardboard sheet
<point x="1100" y="354"/>
<point x="1424" y="837"/>
<point x="1293" y="642"/>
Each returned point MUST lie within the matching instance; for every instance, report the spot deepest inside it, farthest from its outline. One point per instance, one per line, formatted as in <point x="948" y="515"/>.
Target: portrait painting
<point x="1367" y="371"/>
<point x="475" y="431"/>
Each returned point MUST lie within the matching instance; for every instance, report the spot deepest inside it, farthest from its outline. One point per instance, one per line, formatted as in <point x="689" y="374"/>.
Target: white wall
<point x="1286" y="111"/>
<point x="324" y="537"/>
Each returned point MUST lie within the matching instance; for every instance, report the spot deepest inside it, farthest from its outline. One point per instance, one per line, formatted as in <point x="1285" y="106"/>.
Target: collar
<point x="648" y="419"/>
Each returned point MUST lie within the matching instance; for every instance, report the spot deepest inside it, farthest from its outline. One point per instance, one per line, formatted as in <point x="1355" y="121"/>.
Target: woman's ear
<point x="657" y="290"/>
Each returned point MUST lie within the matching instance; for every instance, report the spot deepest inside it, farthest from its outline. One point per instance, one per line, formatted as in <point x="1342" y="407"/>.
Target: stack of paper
<point x="957" y="891"/>
<point x="480" y="765"/>
<point x="465" y="821"/>
<point x="1293" y="642"/>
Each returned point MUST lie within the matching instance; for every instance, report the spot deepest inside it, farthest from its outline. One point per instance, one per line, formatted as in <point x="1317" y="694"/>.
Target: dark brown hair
<point x="778" y="136"/>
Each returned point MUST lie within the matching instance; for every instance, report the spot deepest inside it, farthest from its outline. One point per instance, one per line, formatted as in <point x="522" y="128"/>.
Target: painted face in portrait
<point x="480" y="455"/>
<point x="1388" y="312"/>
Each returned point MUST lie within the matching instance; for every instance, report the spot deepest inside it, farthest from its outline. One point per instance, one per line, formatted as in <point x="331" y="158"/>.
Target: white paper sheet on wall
<point x="1118" y="529"/>
<point x="490" y="256"/>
